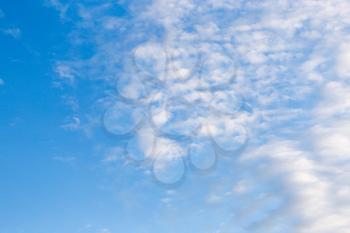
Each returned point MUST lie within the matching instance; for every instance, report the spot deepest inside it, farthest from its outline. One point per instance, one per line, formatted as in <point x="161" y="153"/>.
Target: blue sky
<point x="161" y="116"/>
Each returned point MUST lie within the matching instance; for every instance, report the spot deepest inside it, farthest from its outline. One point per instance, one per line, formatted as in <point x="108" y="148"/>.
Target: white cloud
<point x="289" y="60"/>
<point x="2" y="82"/>
<point x="242" y="187"/>
<point x="335" y="101"/>
<point x="59" y="6"/>
<point x="332" y="141"/>
<point x="73" y="124"/>
<point x="343" y="61"/>
<point x="167" y="149"/>
<point x="311" y="182"/>
<point x="66" y="74"/>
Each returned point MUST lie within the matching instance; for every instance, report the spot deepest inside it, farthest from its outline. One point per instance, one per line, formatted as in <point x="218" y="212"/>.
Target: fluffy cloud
<point x="343" y="61"/>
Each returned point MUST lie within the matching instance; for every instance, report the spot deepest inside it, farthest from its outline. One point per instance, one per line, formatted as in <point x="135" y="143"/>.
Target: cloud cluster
<point x="218" y="71"/>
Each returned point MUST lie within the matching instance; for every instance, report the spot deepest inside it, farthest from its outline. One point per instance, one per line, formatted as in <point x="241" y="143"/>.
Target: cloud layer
<point x="274" y="72"/>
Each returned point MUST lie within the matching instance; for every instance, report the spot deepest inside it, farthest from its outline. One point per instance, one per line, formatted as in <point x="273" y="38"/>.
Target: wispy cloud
<point x="66" y="75"/>
<point x="62" y="8"/>
<point x="72" y="124"/>
<point x="10" y="30"/>
<point x="13" y="32"/>
<point x="279" y="70"/>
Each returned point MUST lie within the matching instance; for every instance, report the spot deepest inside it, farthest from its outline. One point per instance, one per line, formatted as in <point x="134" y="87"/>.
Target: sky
<point x="153" y="116"/>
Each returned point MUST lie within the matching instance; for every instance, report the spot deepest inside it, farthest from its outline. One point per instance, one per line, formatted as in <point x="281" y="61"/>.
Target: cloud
<point x="113" y="154"/>
<point x="73" y="124"/>
<point x="343" y="61"/>
<point x="104" y="230"/>
<point x="2" y="82"/>
<point x="12" y="31"/>
<point x="66" y="74"/>
<point x="332" y="140"/>
<point x="59" y="6"/>
<point x="335" y="100"/>
<point x="277" y="70"/>
<point x="311" y="182"/>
